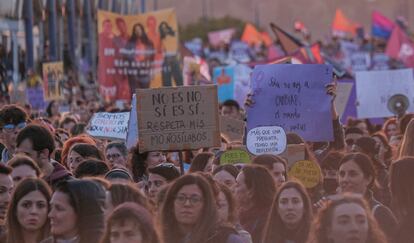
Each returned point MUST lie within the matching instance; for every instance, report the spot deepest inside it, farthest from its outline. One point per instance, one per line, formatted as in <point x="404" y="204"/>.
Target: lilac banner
<point x="294" y="98"/>
<point x="217" y="37"/>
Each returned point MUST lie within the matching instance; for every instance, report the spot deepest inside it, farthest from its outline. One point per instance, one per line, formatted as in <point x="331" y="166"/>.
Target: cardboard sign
<point x="306" y="171"/>
<point x="232" y="129"/>
<point x="374" y="89"/>
<point x="235" y="156"/>
<point x="294" y="98"/>
<point x="293" y="153"/>
<point x="266" y="140"/>
<point x="132" y="135"/>
<point x="181" y="118"/>
<point x="343" y="92"/>
<point x="109" y="125"/>
<point x="53" y="80"/>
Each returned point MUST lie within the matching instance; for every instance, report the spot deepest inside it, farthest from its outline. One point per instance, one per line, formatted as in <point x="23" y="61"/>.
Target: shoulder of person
<point x="235" y="238"/>
<point x="48" y="240"/>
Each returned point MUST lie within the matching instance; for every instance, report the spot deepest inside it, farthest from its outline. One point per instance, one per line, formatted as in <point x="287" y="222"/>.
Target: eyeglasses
<point x="11" y="127"/>
<point x="113" y="156"/>
<point x="165" y="165"/>
<point x="194" y="200"/>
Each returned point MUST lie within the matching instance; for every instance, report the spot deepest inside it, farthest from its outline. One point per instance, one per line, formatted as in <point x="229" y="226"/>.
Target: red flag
<point x="400" y="47"/>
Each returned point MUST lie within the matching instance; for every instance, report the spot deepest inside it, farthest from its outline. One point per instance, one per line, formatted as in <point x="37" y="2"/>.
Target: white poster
<point x="109" y="125"/>
<point x="132" y="136"/>
<point x="374" y="88"/>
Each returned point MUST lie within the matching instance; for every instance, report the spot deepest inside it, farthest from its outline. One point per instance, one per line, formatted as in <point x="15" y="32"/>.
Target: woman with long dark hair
<point x="170" y="66"/>
<point x="189" y="213"/>
<point x="27" y="220"/>
<point x="77" y="212"/>
<point x="290" y="216"/>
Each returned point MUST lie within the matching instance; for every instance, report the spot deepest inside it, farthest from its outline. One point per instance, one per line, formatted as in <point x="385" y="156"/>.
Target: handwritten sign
<point x="266" y="140"/>
<point x="306" y="171"/>
<point x="360" y="61"/>
<point x="375" y="88"/>
<point x="235" y="156"/>
<point x="293" y="153"/>
<point x="294" y="98"/>
<point x="232" y="129"/>
<point x="179" y="118"/>
<point x="35" y="98"/>
<point x="343" y="92"/>
<point x="109" y="125"/>
<point x="132" y="135"/>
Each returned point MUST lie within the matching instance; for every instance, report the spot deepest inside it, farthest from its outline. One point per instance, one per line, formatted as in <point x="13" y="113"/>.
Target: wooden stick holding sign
<point x="178" y="118"/>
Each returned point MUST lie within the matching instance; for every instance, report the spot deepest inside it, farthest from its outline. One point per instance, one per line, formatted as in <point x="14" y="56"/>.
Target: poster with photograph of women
<point x="52" y="80"/>
<point x="137" y="51"/>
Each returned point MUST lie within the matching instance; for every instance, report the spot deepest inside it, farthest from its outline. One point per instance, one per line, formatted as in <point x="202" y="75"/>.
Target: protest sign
<point x="360" y="61"/>
<point x="196" y="71"/>
<point x="53" y="80"/>
<point x="224" y="78"/>
<point x="343" y="92"/>
<point x="380" y="61"/>
<point x="375" y="88"/>
<point x="181" y="118"/>
<point x="195" y="46"/>
<point x="221" y="36"/>
<point x="235" y="156"/>
<point x="232" y="129"/>
<point x="294" y="98"/>
<point x="293" y="153"/>
<point x="241" y="83"/>
<point x="35" y="98"/>
<point x="240" y="52"/>
<point x="266" y="140"/>
<point x="109" y="125"/>
<point x="307" y="172"/>
<point x="132" y="135"/>
<point x="128" y="61"/>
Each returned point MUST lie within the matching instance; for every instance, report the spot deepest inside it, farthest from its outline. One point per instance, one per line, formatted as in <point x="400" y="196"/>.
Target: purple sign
<point x="350" y="108"/>
<point x="294" y="98"/>
<point x="35" y="98"/>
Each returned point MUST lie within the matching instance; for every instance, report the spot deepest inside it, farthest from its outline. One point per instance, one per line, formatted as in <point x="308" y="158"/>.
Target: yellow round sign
<point x="307" y="172"/>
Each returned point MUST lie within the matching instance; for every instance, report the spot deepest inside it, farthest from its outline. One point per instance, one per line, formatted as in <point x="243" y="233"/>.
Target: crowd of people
<point x="58" y="184"/>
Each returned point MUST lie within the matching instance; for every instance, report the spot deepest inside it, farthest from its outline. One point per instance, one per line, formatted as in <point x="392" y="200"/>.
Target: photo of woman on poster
<point x="141" y="59"/>
<point x="170" y="65"/>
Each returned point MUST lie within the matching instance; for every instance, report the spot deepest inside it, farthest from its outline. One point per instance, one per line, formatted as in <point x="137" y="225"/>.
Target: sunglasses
<point x="12" y="127"/>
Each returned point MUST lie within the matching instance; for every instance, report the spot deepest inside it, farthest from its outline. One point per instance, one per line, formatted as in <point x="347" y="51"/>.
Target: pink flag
<point x="400" y="47"/>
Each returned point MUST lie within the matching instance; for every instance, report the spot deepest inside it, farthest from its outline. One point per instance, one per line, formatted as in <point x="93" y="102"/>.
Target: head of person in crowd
<point x="290" y="216"/>
<point x="77" y="211"/>
<point x="27" y="214"/>
<point x="189" y="210"/>
<point x="140" y="162"/>
<point x="254" y="192"/>
<point x="72" y="141"/>
<point x="52" y="109"/>
<point x="78" y="129"/>
<point x="61" y="136"/>
<point x="407" y="143"/>
<point x="356" y="173"/>
<point x="90" y="168"/>
<point x="67" y="123"/>
<point x="362" y="125"/>
<point x="404" y="121"/>
<point x="116" y="154"/>
<point x="119" y="175"/>
<point x="202" y="162"/>
<point x="119" y="193"/>
<point x="6" y="189"/>
<point x="226" y="205"/>
<point x="130" y="223"/>
<point x="159" y="176"/>
<point x="81" y="152"/>
<point x="368" y="146"/>
<point x="401" y="181"/>
<point x="231" y="109"/>
<point x="390" y="127"/>
<point x="275" y="164"/>
<point x="12" y="119"/>
<point x="346" y="219"/>
<point x="330" y="168"/>
<point x="23" y="167"/>
<point x="352" y="134"/>
<point x="385" y="152"/>
<point x="226" y="174"/>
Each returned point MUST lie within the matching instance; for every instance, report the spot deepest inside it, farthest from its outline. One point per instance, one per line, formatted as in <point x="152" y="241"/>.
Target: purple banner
<point x="294" y="98"/>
